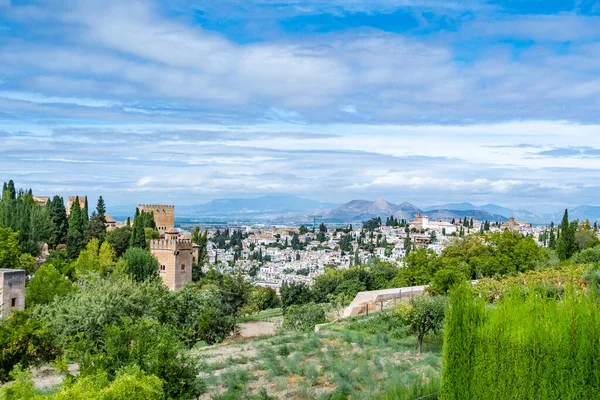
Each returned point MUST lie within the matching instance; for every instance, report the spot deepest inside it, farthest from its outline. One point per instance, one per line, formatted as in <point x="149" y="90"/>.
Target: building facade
<point x="175" y="258"/>
<point x="12" y="291"/>
<point x="164" y="215"/>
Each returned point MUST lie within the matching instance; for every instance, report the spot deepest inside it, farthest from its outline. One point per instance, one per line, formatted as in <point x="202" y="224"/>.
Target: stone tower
<point x="175" y="258"/>
<point x="12" y="291"/>
<point x="164" y="215"/>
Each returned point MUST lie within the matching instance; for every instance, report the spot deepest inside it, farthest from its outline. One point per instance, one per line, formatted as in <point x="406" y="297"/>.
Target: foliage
<point x="24" y="340"/>
<point x="262" y="298"/>
<point x="105" y="301"/>
<point x="75" y="236"/>
<point x="304" y="317"/>
<point x="46" y="284"/>
<point x="23" y="215"/>
<point x="10" y="251"/>
<point x="58" y="215"/>
<point x="138" y="235"/>
<point x="119" y="239"/>
<point x="141" y="264"/>
<point x="235" y="290"/>
<point x="588" y="256"/>
<point x="423" y="314"/>
<point x="565" y="245"/>
<point x="294" y="294"/>
<point x="201" y="315"/>
<point x="151" y="346"/>
<point x="95" y="258"/>
<point x="524" y="347"/>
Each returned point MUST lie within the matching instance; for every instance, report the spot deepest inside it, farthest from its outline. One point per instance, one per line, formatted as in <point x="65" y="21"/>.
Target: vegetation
<point x="537" y="346"/>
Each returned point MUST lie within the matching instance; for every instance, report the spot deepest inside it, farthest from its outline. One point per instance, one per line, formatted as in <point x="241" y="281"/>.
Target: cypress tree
<point x="75" y="235"/>
<point x="12" y="193"/>
<point x="138" y="236"/>
<point x="58" y="214"/>
<point x="128" y="221"/>
<point x="565" y="244"/>
<point x="552" y="239"/>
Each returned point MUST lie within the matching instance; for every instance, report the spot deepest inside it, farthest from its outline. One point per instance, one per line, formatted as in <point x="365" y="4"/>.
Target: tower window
<point x="182" y="267"/>
<point x="163" y="268"/>
<point x="13" y="302"/>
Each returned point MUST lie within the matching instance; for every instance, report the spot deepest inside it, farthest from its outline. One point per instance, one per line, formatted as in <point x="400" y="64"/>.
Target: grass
<point x="263" y="316"/>
<point x="350" y="359"/>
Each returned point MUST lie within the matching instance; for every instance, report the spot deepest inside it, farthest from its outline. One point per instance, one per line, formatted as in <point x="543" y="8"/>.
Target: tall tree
<point x="565" y="244"/>
<point x="75" y="235"/>
<point x="552" y="239"/>
<point x="96" y="227"/>
<point x="85" y="214"/>
<point x="138" y="236"/>
<point x="58" y="214"/>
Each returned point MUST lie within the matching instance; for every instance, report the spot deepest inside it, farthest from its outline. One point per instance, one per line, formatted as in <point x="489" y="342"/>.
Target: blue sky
<point x="186" y="101"/>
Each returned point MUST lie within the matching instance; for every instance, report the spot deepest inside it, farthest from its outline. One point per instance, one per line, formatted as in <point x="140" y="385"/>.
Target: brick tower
<point x="164" y="215"/>
<point x="175" y="258"/>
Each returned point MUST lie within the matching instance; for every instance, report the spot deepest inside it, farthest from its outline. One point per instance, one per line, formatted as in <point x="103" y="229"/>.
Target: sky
<point x="181" y="102"/>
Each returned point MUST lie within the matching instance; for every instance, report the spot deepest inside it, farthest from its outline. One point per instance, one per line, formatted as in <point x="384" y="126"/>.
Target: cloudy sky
<point x="427" y="101"/>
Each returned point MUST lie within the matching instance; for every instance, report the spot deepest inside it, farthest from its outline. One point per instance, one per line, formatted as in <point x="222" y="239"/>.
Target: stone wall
<point x="12" y="291"/>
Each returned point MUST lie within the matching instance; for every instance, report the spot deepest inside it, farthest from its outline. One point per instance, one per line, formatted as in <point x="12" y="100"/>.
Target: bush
<point x="587" y="256"/>
<point x="152" y="347"/>
<point x="24" y="340"/>
<point x="524" y="347"/>
<point x="294" y="294"/>
<point x="105" y="301"/>
<point x="304" y="318"/>
<point x="46" y="284"/>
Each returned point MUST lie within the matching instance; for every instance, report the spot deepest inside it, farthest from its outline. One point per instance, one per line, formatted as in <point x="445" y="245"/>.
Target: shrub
<point x="46" y="284"/>
<point x="587" y="256"/>
<point x="304" y="318"/>
<point x="24" y="340"/>
<point x="152" y="347"/>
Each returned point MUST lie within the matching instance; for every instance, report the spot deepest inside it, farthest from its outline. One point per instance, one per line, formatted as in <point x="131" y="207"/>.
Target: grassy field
<point x="264" y="316"/>
<point x="362" y="358"/>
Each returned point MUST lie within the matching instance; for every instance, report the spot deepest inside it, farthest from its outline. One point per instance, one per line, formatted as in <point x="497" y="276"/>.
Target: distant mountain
<point x="362" y="210"/>
<point x="520" y="215"/>
<point x="265" y="206"/>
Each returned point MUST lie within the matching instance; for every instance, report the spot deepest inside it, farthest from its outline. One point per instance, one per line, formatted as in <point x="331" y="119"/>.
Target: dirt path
<point x="254" y="329"/>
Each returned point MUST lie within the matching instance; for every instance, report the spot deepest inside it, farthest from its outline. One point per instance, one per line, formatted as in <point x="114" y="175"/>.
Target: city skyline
<point x="427" y="102"/>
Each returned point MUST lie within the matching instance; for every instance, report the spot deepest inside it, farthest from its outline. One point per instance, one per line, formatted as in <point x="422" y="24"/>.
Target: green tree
<point x="294" y="293"/>
<point x="423" y="314"/>
<point x="565" y="244"/>
<point x="10" y="251"/>
<point x="235" y="290"/>
<point x="552" y="239"/>
<point x="85" y="216"/>
<point x="119" y="239"/>
<point x="58" y="215"/>
<point x="141" y="264"/>
<point x="75" y="234"/>
<point x="46" y="284"/>
<point x="24" y="340"/>
<point x="138" y="237"/>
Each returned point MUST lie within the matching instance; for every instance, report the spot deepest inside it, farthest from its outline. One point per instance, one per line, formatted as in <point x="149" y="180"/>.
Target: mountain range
<point x="288" y="208"/>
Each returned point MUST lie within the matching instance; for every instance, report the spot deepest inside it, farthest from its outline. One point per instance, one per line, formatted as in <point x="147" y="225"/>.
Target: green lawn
<point x="266" y="315"/>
